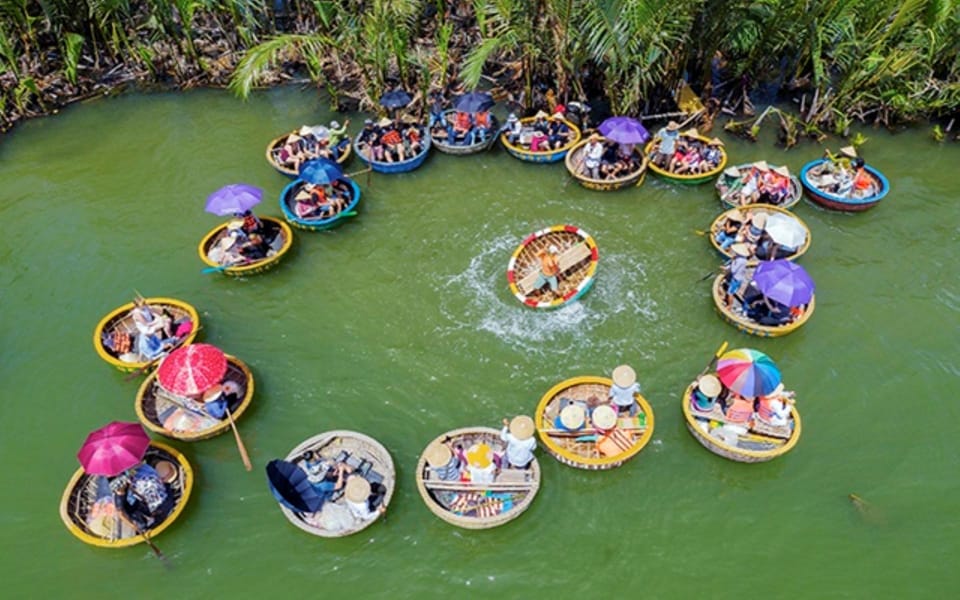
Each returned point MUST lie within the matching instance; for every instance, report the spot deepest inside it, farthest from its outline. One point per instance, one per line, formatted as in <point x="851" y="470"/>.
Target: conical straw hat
<point x="357" y="489"/>
<point x="604" y="417"/>
<point x="849" y="151"/>
<point x="709" y="385"/>
<point x="572" y="416"/>
<point x="521" y="427"/>
<point x="437" y="455"/>
<point x="624" y="376"/>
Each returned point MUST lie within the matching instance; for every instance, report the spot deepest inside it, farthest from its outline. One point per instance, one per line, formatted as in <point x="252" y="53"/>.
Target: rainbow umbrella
<point x="748" y="372"/>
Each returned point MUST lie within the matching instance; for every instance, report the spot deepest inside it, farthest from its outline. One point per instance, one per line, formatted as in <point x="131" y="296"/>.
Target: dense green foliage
<point x="883" y="60"/>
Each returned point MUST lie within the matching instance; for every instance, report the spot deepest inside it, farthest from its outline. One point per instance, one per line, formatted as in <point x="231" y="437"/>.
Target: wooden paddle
<point x="236" y="434"/>
<point x="716" y="356"/>
<point x="144" y="535"/>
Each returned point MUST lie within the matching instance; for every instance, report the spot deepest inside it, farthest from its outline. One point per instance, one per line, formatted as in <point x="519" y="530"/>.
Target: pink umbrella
<point x="192" y="370"/>
<point x="113" y="448"/>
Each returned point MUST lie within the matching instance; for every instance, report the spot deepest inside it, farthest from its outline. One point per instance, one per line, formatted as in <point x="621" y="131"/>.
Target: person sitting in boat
<point x="626" y="154"/>
<point x="540" y="122"/>
<point x="339" y="140"/>
<point x="392" y="141"/>
<point x="411" y="140"/>
<point x="250" y="223"/>
<point x="437" y="107"/>
<point x="592" y="155"/>
<point x="738" y="413"/>
<point x="254" y="247"/>
<point x="623" y="390"/>
<point x="558" y="132"/>
<point x="711" y="156"/>
<point x="332" y="481"/>
<point x="572" y="415"/>
<point x="726" y="235"/>
<point x="480" y="464"/>
<point x="737" y="273"/>
<point x="362" y="500"/>
<point x="215" y="402"/>
<point x="665" y="148"/>
<point x="774" y="408"/>
<point x="616" y="168"/>
<point x="752" y="230"/>
<point x="369" y="143"/>
<point x="149" y="320"/>
<point x="864" y="185"/>
<point x="549" y="269"/>
<point x="518" y="434"/>
<point x="482" y="125"/>
<point x="142" y="495"/>
<point x="513" y="128"/>
<point x="461" y="129"/>
<point x="291" y="154"/>
<point x="706" y="393"/>
<point x="443" y="462"/>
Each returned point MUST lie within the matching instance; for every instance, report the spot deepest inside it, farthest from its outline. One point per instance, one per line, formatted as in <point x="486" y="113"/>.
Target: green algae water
<point x="400" y="324"/>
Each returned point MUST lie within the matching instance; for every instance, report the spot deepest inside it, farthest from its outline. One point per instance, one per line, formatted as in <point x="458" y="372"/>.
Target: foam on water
<point x="478" y="298"/>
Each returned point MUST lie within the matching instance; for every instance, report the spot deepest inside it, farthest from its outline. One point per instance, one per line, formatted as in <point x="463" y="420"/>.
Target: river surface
<point x="400" y="324"/>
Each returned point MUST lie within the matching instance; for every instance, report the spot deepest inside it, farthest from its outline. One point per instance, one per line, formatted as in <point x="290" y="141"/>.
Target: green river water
<point x="400" y="324"/>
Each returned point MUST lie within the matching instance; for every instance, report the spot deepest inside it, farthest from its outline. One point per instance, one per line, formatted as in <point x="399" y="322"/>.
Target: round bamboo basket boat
<point x="831" y="201"/>
<point x="478" y="505"/>
<point x="153" y="401"/>
<point x="106" y="530"/>
<point x="746" y="325"/>
<point x="280" y="246"/>
<point x="548" y="156"/>
<point x="742" y="212"/>
<point x="461" y="149"/>
<point x="571" y="448"/>
<point x="725" y="182"/>
<point x="121" y="318"/>
<point x="287" y="201"/>
<point x="575" y="158"/>
<point x="578" y="264"/>
<point x="397" y="167"/>
<point x="687" y="178"/>
<point x="744" y="450"/>
<point x="353" y="448"/>
<point x="274" y="146"/>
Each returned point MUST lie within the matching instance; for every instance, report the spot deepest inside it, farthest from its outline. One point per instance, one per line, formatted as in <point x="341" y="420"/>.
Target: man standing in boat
<point x="549" y="269"/>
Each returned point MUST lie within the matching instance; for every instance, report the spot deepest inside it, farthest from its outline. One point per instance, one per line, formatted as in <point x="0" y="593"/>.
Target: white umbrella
<point x="785" y="230"/>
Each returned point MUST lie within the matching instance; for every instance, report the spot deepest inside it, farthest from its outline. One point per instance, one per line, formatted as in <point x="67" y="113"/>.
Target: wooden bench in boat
<point x="755" y="424"/>
<point x="567" y="260"/>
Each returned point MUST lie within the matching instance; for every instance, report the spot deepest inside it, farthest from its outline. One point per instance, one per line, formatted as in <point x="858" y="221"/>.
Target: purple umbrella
<point x="624" y="130"/>
<point x="784" y="281"/>
<point x="233" y="199"/>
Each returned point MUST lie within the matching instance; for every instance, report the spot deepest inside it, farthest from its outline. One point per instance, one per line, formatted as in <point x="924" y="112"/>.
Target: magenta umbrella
<point x="233" y="199"/>
<point x="192" y="370"/>
<point x="113" y="448"/>
<point x="624" y="130"/>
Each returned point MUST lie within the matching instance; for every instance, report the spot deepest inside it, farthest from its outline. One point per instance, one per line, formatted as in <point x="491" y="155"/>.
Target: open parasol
<point x="785" y="230"/>
<point x="113" y="448"/>
<point x="233" y="199"/>
<point x="474" y="102"/>
<point x="748" y="372"/>
<point x="320" y="171"/>
<point x="290" y="486"/>
<point x="192" y="370"/>
<point x="786" y="282"/>
<point x="624" y="130"/>
<point x="395" y="99"/>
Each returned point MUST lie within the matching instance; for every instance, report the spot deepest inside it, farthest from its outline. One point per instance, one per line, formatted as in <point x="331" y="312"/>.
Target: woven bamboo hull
<point x="460" y="150"/>
<point x="602" y="185"/>
<point x="724" y="181"/>
<point x="584" y="456"/>
<point x="745" y="325"/>
<point x="696" y="179"/>
<point x="576" y="282"/>
<point x="832" y="202"/>
<point x="276" y="143"/>
<point x="147" y="400"/>
<point x="467" y="436"/>
<point x="743" y="212"/>
<point x="540" y="157"/>
<point x="286" y="205"/>
<point x="252" y="268"/>
<point x="120" y="317"/>
<point x="330" y="444"/>
<point x="732" y="452"/>
<point x="75" y="506"/>
<point x="398" y="167"/>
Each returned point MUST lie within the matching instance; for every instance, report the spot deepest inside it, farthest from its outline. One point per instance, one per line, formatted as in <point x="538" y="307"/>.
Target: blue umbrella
<point x="784" y="281"/>
<point x="320" y="171"/>
<point x="624" y="130"/>
<point x="474" y="102"/>
<point x="233" y="199"/>
<point x="291" y="488"/>
<point x="395" y="99"/>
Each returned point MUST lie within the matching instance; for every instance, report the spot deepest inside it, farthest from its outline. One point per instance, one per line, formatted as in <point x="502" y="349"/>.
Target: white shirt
<point x="519" y="452"/>
<point x="624" y="396"/>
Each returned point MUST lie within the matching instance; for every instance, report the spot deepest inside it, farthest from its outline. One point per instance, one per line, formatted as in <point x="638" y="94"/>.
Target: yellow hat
<point x="437" y="455"/>
<point x="480" y="456"/>
<point x="235" y="224"/>
<point x="709" y="385"/>
<point x="624" y="376"/>
<point x="521" y="427"/>
<point x="604" y="417"/>
<point x="357" y="489"/>
<point x="572" y="416"/>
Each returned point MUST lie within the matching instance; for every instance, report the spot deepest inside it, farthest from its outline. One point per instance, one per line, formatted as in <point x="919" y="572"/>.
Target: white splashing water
<point x="478" y="299"/>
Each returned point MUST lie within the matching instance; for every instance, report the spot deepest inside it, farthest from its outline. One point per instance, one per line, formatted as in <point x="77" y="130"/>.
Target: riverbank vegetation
<point x="877" y="61"/>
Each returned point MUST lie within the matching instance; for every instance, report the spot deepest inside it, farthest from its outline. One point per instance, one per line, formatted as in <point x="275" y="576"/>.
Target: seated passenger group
<point x="313" y="142"/>
<point x="758" y="184"/>
<point x="844" y="176"/>
<point x="603" y="159"/>
<point x="390" y="140"/>
<point x="684" y="153"/>
<point x="321" y="201"/>
<point x="545" y="134"/>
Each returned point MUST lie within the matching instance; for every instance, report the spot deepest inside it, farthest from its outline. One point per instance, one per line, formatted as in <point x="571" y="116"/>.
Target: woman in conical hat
<point x="624" y="388"/>
<point x="518" y="434"/>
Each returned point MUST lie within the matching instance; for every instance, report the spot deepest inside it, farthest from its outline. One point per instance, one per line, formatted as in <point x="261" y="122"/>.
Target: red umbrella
<point x="192" y="370"/>
<point x="113" y="448"/>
